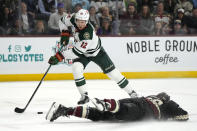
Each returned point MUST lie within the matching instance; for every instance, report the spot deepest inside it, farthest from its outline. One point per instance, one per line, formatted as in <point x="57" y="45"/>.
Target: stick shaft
<point x="36" y="89"/>
<point x="19" y="110"/>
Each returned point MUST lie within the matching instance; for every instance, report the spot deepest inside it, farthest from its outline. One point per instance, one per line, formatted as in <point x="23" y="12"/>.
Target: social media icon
<point x="9" y="48"/>
<point x="17" y="48"/>
<point x="27" y="48"/>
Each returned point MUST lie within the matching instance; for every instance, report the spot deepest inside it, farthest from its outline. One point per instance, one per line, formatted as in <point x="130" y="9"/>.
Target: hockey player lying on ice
<point x="130" y="109"/>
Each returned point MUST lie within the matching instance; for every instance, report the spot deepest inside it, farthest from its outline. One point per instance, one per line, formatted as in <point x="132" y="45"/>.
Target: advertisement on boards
<point x="28" y="55"/>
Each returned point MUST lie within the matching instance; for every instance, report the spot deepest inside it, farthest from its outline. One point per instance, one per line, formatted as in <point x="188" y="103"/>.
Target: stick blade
<point x="19" y="110"/>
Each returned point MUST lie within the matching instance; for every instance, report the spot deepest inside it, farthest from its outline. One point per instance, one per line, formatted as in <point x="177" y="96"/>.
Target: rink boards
<point x="26" y="58"/>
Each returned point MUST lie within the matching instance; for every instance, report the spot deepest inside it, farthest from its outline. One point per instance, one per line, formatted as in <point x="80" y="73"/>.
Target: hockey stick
<point x="21" y="110"/>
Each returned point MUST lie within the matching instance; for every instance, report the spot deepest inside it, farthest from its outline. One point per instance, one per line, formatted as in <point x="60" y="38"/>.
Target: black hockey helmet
<point x="163" y="96"/>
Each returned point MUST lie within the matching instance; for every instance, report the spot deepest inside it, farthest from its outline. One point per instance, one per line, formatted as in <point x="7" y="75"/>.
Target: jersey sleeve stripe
<point x="76" y="51"/>
<point x="91" y="51"/>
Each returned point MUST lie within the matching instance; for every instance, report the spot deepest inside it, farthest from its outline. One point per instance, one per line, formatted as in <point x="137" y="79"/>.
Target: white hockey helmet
<point x="82" y="14"/>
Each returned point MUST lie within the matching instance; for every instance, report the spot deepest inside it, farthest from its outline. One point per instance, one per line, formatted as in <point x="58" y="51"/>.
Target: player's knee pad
<point x="77" y="69"/>
<point x="115" y="75"/>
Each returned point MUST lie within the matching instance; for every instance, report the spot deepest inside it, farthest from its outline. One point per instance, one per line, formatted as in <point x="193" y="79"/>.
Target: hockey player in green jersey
<point x="87" y="48"/>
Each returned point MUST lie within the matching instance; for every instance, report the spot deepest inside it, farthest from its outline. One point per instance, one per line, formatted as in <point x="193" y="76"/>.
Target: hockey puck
<point x="39" y="112"/>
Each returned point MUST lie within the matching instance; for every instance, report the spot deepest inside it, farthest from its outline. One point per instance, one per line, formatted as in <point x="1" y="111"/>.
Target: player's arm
<point x="64" y="23"/>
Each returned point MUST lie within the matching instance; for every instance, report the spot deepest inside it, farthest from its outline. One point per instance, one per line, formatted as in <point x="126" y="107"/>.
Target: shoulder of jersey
<point x="67" y="17"/>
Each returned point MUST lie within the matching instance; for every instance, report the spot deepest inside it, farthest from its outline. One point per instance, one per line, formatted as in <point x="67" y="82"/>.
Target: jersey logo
<point x="86" y="35"/>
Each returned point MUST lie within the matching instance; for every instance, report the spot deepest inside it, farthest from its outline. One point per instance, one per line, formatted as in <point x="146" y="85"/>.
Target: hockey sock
<point x="79" y="111"/>
<point x="123" y="83"/>
<point x="80" y="82"/>
<point x="114" y="105"/>
<point x="82" y="89"/>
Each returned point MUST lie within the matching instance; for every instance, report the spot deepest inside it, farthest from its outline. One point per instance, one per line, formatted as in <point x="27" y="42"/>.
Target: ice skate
<point x="133" y="94"/>
<point x="84" y="99"/>
<point x="56" y="110"/>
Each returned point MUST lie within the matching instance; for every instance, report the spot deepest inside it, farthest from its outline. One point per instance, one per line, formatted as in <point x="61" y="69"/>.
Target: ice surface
<point x="17" y="94"/>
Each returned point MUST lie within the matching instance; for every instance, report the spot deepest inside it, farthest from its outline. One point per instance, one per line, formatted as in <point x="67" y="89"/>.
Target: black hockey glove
<point x="55" y="59"/>
<point x="65" y="36"/>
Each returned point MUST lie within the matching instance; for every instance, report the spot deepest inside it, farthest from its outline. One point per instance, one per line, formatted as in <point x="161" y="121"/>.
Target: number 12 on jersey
<point x="84" y="44"/>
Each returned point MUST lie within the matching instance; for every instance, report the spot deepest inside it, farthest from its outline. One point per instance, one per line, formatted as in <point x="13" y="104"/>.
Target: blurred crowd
<point x="109" y="17"/>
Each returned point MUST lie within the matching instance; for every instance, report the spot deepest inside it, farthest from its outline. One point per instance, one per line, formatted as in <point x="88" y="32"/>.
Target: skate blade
<point x="51" y="111"/>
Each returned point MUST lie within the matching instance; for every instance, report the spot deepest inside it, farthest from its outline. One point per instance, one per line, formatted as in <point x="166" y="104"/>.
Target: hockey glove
<point x="55" y="59"/>
<point x="65" y="36"/>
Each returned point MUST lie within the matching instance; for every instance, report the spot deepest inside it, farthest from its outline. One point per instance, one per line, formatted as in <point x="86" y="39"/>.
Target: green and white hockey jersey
<point x="86" y="41"/>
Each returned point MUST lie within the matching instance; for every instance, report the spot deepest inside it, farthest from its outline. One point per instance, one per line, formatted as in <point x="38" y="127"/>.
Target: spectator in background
<point x="93" y="3"/>
<point x="99" y="4"/>
<point x="39" y="28"/>
<point x="128" y="2"/>
<point x="46" y="8"/>
<point x="111" y="4"/>
<point x="158" y="28"/>
<point x="180" y="14"/>
<point x="11" y="4"/>
<point x="94" y="18"/>
<point x="146" y="22"/>
<point x="162" y="16"/>
<point x="186" y="5"/>
<point x="191" y="22"/>
<point x="53" y="23"/>
<point x="67" y="5"/>
<point x="26" y="19"/>
<point x="105" y="14"/>
<point x="6" y="20"/>
<point x="106" y="28"/>
<point x="141" y="3"/>
<point x="154" y="4"/>
<point x="76" y="8"/>
<point x="129" y="21"/>
<point x="31" y="7"/>
<point x="169" y="6"/>
<point x="16" y="29"/>
<point x="194" y="3"/>
<point x="85" y="3"/>
<point x="178" y="29"/>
